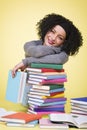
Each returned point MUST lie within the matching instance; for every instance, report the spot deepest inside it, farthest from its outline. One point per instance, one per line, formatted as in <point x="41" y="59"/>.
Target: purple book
<point x="54" y="81"/>
<point x="53" y="100"/>
<point x="49" y="109"/>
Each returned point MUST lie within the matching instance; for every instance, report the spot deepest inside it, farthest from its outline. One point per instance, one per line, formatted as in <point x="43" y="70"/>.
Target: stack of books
<point x="46" y="94"/>
<point x="20" y="119"/>
<point x="79" y="106"/>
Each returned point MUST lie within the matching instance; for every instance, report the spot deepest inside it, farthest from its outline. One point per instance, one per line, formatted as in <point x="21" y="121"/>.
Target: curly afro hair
<point x="74" y="38"/>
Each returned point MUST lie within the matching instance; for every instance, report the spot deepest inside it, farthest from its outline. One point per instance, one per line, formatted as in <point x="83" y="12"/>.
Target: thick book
<point x="46" y="104"/>
<point x="42" y="70"/>
<point x="42" y="113"/>
<point x="49" y="109"/>
<point x="45" y="97"/>
<point x="47" y="87"/>
<point x="46" y="123"/>
<point x="15" y="87"/>
<point x="79" y="100"/>
<point x="48" y="100"/>
<point x="29" y="125"/>
<point x="43" y="65"/>
<point x="79" y="122"/>
<point x="49" y="81"/>
<point x="20" y="117"/>
<point x="47" y="91"/>
<point x="51" y="76"/>
<point x="46" y="94"/>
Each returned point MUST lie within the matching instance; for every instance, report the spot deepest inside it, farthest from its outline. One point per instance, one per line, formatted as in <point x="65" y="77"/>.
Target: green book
<point x="44" y="65"/>
<point x="48" y="87"/>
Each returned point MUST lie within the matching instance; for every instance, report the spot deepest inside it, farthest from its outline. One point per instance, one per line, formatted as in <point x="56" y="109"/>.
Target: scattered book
<point x="30" y="124"/>
<point x="20" y="117"/>
<point x="46" y="123"/>
<point x="79" y="100"/>
<point x="78" y="122"/>
<point x="4" y="112"/>
<point x="15" y="87"/>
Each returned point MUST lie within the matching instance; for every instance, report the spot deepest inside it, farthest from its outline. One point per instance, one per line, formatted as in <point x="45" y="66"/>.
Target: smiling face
<point x="55" y="37"/>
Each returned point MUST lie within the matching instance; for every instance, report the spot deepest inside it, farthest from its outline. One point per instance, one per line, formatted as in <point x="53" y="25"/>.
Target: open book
<point x="79" y="122"/>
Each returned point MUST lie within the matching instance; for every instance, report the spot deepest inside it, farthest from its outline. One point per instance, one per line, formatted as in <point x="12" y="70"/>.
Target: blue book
<point x="15" y="87"/>
<point x="30" y="124"/>
<point x="79" y="100"/>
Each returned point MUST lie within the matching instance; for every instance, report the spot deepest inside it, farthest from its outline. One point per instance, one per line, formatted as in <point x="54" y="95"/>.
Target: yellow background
<point x="18" y="20"/>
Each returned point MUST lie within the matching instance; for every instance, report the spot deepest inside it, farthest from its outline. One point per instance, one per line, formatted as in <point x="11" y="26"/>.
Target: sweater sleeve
<point x="60" y="58"/>
<point x="32" y="49"/>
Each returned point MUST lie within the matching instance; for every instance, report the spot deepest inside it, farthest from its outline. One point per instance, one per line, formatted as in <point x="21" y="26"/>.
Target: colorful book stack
<point x="46" y="94"/>
<point x="79" y="106"/>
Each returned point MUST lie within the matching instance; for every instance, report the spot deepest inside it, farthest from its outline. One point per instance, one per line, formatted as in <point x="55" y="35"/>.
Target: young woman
<point x="59" y="38"/>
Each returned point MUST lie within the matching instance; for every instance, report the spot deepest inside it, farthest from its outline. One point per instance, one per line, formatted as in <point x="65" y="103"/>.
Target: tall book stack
<point x="46" y="94"/>
<point x="79" y="106"/>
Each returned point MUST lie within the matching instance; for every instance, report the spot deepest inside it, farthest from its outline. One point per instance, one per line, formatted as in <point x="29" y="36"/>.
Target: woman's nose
<point x="54" y="37"/>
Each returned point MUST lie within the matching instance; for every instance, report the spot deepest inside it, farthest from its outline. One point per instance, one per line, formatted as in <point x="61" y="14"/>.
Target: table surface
<point x="17" y="107"/>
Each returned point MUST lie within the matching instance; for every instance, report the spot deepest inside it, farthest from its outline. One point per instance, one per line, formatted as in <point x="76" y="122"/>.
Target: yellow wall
<point x="18" y="20"/>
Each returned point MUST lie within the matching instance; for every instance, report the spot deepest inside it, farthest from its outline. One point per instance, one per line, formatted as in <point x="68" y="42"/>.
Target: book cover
<point x="20" y="117"/>
<point x="79" y="100"/>
<point x="43" y="65"/>
<point x="15" y="87"/>
<point x="46" y="123"/>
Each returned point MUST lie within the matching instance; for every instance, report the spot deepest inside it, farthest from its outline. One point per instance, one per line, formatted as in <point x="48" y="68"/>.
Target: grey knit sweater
<point x="36" y="52"/>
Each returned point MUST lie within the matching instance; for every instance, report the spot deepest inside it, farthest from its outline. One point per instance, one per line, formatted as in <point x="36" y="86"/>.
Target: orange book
<point x="20" y="117"/>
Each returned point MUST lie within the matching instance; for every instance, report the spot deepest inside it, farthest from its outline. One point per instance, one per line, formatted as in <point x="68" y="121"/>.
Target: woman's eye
<point x="53" y="31"/>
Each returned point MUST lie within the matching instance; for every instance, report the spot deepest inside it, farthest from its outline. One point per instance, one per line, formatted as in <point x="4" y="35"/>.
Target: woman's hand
<point x="20" y="66"/>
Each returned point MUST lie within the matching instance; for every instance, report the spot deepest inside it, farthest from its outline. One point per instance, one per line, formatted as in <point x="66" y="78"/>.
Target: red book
<point x="20" y="117"/>
<point x="41" y="70"/>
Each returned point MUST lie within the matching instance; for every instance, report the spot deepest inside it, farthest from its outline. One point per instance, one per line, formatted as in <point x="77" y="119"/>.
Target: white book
<point x="42" y="91"/>
<point x="33" y="82"/>
<point x="78" y="108"/>
<point x="79" y="105"/>
<point x="46" y="123"/>
<point x="78" y="111"/>
<point x="79" y="122"/>
<point x="36" y="96"/>
<point x="41" y="87"/>
<point x="79" y="100"/>
<point x="39" y="93"/>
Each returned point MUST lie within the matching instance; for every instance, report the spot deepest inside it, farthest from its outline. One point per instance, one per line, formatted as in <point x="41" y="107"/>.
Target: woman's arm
<point x="32" y="49"/>
<point x="60" y="58"/>
<point x="20" y="66"/>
